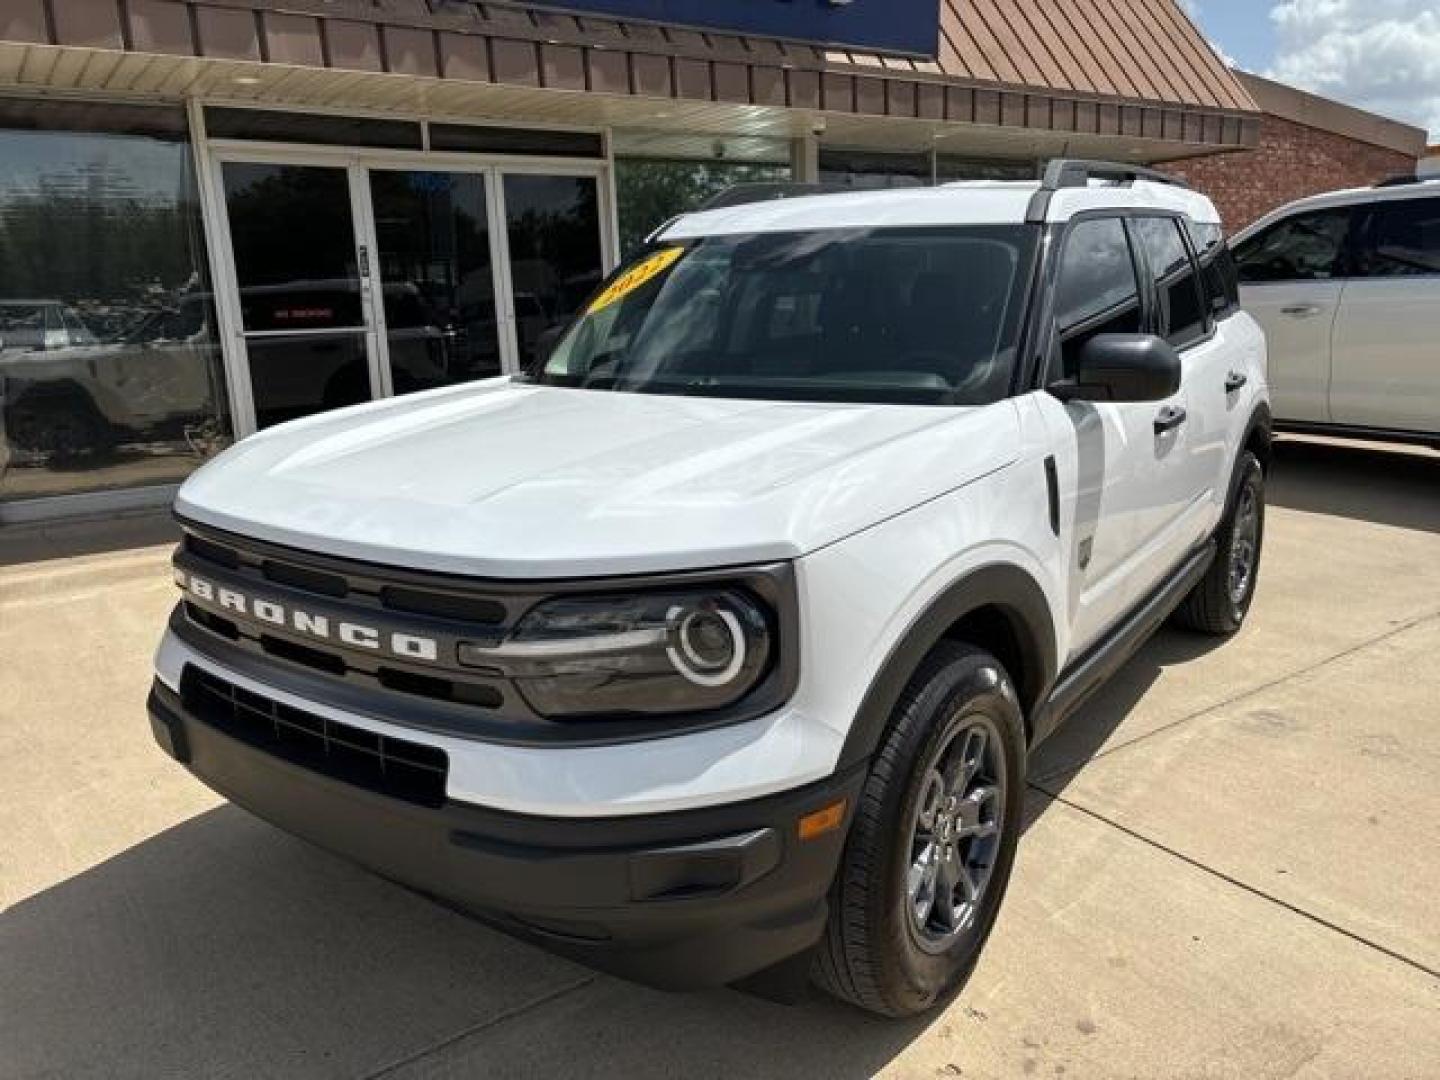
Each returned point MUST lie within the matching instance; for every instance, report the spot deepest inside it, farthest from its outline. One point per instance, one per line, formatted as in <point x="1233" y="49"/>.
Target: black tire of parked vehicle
<point x="58" y="429"/>
<point x="1221" y="599"/>
<point x="873" y="953"/>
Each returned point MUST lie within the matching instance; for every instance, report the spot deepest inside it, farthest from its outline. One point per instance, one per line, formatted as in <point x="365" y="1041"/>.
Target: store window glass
<point x="868" y="170"/>
<point x="110" y="375"/>
<point x="556" y="261"/>
<point x="651" y="191"/>
<point x="949" y="168"/>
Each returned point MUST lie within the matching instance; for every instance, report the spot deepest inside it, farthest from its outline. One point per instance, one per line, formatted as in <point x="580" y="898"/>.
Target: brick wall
<point x="1291" y="161"/>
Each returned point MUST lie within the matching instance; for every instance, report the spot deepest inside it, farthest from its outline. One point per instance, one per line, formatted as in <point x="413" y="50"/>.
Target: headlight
<point x="639" y="654"/>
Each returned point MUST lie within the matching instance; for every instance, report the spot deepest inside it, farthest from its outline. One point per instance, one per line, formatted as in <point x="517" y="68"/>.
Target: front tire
<point x="1221" y="599"/>
<point x="933" y="841"/>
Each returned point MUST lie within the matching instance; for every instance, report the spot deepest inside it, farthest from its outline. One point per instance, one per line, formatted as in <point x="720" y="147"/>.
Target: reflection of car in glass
<point x="79" y="398"/>
<point x="28" y="325"/>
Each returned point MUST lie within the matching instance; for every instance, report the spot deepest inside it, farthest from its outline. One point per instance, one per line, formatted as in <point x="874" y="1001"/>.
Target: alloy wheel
<point x="955" y="834"/>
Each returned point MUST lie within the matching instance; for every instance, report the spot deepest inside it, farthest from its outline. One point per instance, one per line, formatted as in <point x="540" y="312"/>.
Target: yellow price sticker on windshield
<point x="643" y="271"/>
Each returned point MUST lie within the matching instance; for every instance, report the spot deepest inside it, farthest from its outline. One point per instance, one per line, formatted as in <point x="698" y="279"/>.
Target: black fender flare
<point x="1003" y="586"/>
<point x="1260" y="421"/>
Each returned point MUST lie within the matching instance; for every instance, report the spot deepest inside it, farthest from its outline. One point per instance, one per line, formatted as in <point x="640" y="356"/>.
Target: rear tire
<point x="933" y="841"/>
<point x="1221" y="599"/>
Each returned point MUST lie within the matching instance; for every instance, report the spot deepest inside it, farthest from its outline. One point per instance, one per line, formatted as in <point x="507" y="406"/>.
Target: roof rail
<point x="1078" y="172"/>
<point x="743" y="194"/>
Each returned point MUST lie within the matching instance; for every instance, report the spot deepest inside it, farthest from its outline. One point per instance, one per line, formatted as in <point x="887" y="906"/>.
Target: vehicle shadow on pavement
<point x="1387" y="485"/>
<point x="1085" y="731"/>
<point x="223" y="947"/>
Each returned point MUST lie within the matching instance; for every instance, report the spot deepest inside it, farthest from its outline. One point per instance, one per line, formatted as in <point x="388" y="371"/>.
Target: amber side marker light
<point x="822" y="821"/>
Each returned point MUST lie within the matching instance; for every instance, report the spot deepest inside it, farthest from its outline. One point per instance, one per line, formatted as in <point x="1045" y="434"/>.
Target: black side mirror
<point x="1123" y="367"/>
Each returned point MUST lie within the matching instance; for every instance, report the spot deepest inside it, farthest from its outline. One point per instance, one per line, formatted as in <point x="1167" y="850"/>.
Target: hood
<point x="507" y="479"/>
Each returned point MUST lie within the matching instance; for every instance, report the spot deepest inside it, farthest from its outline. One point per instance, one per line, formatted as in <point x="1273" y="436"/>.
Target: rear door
<point x="1386" y="353"/>
<point x="1188" y="455"/>
<point x="1291" y="279"/>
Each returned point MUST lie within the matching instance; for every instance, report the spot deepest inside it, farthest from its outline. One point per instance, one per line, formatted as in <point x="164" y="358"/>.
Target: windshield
<point x="924" y="316"/>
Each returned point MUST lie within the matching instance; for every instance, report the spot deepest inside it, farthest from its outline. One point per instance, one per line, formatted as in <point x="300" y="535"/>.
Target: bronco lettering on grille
<point x="312" y="624"/>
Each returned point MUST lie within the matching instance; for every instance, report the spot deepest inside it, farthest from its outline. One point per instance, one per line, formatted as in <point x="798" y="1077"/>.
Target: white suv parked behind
<point x="1347" y="287"/>
<point x="718" y="645"/>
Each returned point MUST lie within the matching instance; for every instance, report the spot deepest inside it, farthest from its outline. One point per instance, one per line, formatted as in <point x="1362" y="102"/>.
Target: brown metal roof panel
<point x="1189" y="70"/>
<point x="1006" y="25"/>
<point x="990" y="48"/>
<point x="1045" y="45"/>
<point x="23" y="20"/>
<point x="229" y="35"/>
<point x="609" y="71"/>
<point x="293" y="39"/>
<point x="970" y="61"/>
<point x="410" y="52"/>
<point x="84" y="22"/>
<point x="160" y="26"/>
<point x="1090" y="23"/>
<point x="354" y="45"/>
<point x="1152" y="59"/>
<point x="652" y="75"/>
<point x="1089" y="71"/>
<point x="1206" y="64"/>
<point x="464" y="56"/>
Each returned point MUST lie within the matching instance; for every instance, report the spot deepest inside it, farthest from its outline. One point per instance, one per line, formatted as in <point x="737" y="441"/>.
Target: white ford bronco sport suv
<point x="718" y="643"/>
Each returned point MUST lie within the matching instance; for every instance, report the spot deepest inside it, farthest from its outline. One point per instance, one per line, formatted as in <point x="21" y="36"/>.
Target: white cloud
<point x="1381" y="55"/>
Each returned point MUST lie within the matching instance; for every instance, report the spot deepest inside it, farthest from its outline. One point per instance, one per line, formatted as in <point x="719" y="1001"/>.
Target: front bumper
<point x="678" y="900"/>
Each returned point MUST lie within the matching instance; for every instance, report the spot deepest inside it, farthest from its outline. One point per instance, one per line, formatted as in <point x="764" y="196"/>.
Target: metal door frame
<point x="358" y="161"/>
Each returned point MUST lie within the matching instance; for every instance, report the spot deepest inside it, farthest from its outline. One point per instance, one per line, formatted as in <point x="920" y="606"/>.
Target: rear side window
<point x="1096" y="291"/>
<point x="1401" y="239"/>
<point x="1303" y="247"/>
<point x="1217" y="269"/>
<point x="1180" y="318"/>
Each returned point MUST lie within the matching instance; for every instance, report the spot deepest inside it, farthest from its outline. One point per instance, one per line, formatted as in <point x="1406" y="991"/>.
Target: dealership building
<point x="216" y="215"/>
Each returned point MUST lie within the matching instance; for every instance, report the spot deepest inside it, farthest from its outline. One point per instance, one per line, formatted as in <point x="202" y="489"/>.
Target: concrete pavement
<point x="1229" y="870"/>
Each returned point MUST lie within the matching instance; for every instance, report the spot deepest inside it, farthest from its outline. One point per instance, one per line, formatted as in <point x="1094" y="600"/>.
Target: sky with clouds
<point x="1382" y="55"/>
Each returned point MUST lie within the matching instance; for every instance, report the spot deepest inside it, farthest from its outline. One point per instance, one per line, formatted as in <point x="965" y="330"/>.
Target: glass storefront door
<point x="298" y="273"/>
<point x="366" y="277"/>
<point x="432" y="232"/>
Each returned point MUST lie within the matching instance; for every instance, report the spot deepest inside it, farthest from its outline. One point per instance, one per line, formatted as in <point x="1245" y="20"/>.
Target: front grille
<point x="387" y="766"/>
<point x="390" y="599"/>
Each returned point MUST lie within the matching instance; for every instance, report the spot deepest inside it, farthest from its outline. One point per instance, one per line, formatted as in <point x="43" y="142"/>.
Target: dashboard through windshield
<point x="912" y="315"/>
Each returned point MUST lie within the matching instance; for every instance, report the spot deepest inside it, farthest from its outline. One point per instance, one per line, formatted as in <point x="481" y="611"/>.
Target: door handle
<point x="1235" y="380"/>
<point x="1168" y="419"/>
<point x="1301" y="311"/>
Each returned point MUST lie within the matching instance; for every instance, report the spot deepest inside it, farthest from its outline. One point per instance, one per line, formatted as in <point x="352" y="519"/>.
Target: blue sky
<point x="1242" y="28"/>
<point x="1382" y="55"/>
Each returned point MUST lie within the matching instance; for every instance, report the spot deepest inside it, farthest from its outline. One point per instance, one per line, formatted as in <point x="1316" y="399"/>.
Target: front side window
<point x="1096" y="291"/>
<point x="1401" y="239"/>
<point x="922" y="316"/>
<point x="1303" y="247"/>
<point x="1181" y="316"/>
